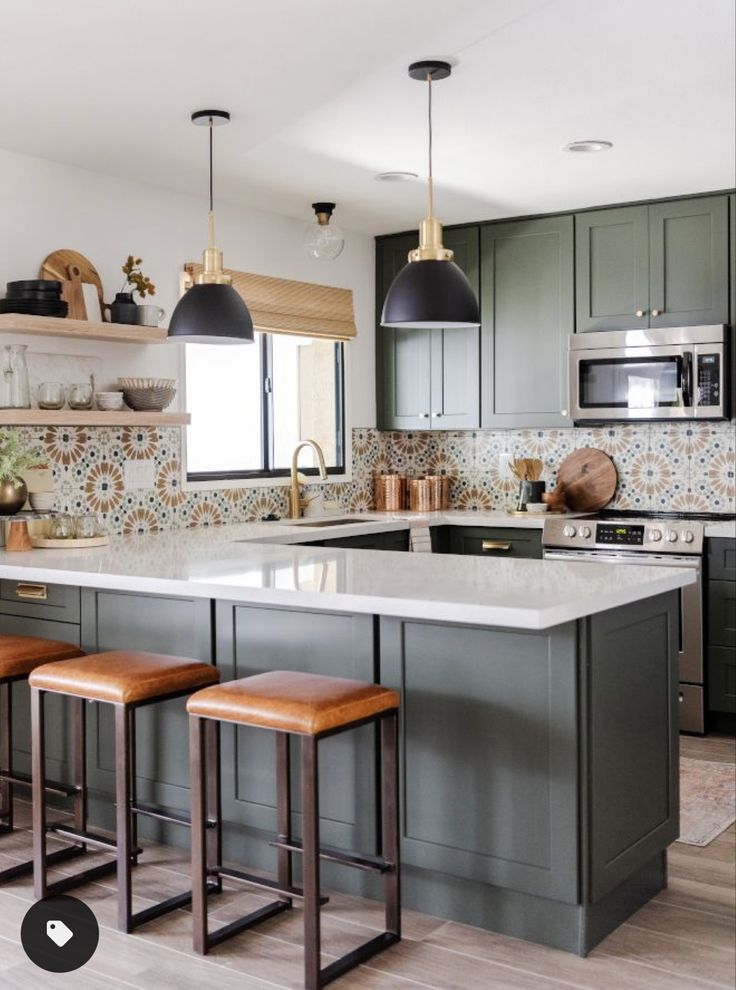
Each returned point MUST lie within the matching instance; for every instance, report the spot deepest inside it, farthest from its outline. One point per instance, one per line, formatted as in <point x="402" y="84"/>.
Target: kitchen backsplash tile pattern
<point x="660" y="466"/>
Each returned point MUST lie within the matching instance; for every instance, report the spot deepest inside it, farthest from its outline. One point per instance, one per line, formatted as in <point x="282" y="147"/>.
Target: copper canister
<point x="390" y="492"/>
<point x="420" y="495"/>
<point x="439" y="486"/>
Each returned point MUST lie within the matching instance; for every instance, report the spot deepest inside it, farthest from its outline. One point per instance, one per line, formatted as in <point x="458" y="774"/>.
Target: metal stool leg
<point x="390" y="819"/>
<point x="283" y="811"/>
<point x="6" y="755"/>
<point x="310" y="862"/>
<point x="214" y="799"/>
<point x="133" y="786"/>
<point x="198" y="785"/>
<point x="38" y="772"/>
<point x="123" y="816"/>
<point x="79" y="716"/>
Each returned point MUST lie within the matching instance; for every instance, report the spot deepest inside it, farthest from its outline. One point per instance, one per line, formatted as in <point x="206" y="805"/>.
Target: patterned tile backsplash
<point x="660" y="466"/>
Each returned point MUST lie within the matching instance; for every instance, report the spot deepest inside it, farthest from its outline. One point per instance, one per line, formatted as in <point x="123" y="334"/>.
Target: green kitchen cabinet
<point x="661" y="265"/>
<point x="527" y="308"/>
<point x="720" y="625"/>
<point x="427" y="379"/>
<point x="481" y="541"/>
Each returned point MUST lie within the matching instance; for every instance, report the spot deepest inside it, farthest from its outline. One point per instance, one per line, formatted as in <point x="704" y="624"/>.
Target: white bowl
<point x="42" y="501"/>
<point x="109" y="401"/>
<point x="536" y="508"/>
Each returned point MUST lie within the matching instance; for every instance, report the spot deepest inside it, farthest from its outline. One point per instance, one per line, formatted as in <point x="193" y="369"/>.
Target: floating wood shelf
<point x="53" y="326"/>
<point x="90" y="417"/>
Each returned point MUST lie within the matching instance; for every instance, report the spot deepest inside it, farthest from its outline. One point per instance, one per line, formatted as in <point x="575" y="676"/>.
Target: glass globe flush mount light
<point x="323" y="240"/>
<point x="211" y="311"/>
<point x="431" y="291"/>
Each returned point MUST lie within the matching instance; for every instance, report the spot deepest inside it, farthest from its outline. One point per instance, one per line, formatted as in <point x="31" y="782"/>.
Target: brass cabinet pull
<point x="38" y="592"/>
<point x="656" y="312"/>
<point x="640" y="312"/>
<point x="494" y="545"/>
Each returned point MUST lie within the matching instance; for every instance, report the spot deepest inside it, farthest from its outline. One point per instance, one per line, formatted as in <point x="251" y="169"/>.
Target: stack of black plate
<point x="34" y="297"/>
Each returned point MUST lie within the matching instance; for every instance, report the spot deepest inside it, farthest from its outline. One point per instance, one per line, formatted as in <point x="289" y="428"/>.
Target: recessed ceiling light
<point x="588" y="146"/>
<point x="395" y="176"/>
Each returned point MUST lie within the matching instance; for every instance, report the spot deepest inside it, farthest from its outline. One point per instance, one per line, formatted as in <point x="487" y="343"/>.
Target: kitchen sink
<point x="319" y="523"/>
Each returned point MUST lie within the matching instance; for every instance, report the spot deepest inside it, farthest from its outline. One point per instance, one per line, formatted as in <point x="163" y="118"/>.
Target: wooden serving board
<point x="94" y="541"/>
<point x="588" y="479"/>
<point x="56" y="266"/>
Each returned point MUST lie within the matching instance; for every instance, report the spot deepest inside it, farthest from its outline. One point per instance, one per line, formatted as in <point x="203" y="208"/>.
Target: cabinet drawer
<point x="484" y="542"/>
<point x="722" y="679"/>
<point x="721" y="625"/>
<point x="39" y="600"/>
<point x="722" y="559"/>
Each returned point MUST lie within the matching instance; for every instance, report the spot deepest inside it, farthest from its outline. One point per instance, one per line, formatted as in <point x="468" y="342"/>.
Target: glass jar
<point x="50" y="395"/>
<point x="88" y="527"/>
<point x="62" y="527"/>
<point x="79" y="396"/>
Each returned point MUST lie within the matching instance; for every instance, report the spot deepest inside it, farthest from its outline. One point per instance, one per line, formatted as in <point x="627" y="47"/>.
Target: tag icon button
<point x="58" y="932"/>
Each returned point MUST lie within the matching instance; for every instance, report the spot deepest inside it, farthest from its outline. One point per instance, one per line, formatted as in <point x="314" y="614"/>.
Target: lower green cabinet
<point x="720" y="625"/>
<point x="484" y="542"/>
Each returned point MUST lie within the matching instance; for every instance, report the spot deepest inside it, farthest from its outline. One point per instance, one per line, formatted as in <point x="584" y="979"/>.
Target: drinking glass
<point x="50" y="395"/>
<point x="79" y="396"/>
<point x="88" y="526"/>
<point x="62" y="527"/>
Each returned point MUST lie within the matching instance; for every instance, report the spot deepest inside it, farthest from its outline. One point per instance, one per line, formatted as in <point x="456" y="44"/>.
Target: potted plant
<point x="15" y="457"/>
<point x="124" y="309"/>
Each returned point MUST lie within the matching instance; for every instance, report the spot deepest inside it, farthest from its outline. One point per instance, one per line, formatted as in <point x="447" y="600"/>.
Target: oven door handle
<point x="687" y="378"/>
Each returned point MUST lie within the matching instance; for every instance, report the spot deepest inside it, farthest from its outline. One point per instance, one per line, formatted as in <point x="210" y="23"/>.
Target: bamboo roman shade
<point x="280" y="305"/>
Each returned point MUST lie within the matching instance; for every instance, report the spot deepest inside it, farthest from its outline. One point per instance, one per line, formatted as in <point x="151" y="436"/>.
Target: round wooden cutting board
<point x="56" y="266"/>
<point x="588" y="477"/>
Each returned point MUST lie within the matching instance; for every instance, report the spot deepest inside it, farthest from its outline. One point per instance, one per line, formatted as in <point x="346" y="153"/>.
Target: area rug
<point x="707" y="800"/>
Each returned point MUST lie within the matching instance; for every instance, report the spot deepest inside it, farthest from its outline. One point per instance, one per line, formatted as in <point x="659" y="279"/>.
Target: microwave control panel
<point x="709" y="379"/>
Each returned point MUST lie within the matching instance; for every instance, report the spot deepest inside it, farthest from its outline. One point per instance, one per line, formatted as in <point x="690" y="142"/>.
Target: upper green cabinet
<point x="527" y="312"/>
<point x="427" y="379"/>
<point x="652" y="266"/>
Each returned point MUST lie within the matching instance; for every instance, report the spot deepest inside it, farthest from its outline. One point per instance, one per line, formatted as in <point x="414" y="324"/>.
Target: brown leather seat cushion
<point x="124" y="677"/>
<point x="19" y="655"/>
<point x="293" y="702"/>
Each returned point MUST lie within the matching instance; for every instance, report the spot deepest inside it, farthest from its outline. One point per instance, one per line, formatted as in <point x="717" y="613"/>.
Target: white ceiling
<point x="321" y="100"/>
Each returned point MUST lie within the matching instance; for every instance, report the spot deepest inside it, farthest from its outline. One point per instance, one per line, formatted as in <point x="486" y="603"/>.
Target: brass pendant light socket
<point x="323" y="212"/>
<point x="430" y="243"/>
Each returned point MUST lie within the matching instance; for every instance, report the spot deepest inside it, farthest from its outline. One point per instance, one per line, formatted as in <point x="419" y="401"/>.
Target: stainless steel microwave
<point x="675" y="373"/>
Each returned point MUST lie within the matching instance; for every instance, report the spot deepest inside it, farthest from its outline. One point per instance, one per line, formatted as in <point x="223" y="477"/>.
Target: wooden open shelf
<point x="54" y="326"/>
<point x="90" y="417"/>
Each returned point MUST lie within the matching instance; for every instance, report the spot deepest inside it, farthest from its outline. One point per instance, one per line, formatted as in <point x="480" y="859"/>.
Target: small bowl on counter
<point x="148" y="394"/>
<point x="109" y="401"/>
<point x="536" y="508"/>
<point x="42" y="501"/>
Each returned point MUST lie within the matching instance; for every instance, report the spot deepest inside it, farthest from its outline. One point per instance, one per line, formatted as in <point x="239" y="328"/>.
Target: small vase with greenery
<point x="135" y="280"/>
<point x="16" y="456"/>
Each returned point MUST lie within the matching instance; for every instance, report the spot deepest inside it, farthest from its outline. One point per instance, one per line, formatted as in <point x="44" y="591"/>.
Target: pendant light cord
<point x="429" y="123"/>
<point x="212" y="206"/>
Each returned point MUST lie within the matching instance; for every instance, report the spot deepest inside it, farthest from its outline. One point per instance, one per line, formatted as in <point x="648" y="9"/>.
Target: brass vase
<point x="13" y="496"/>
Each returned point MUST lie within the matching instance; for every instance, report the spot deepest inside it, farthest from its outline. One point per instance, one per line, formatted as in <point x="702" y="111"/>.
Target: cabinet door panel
<point x="612" y="269"/>
<point x="688" y="256"/>
<point x="722" y="679"/>
<point x="527" y="306"/>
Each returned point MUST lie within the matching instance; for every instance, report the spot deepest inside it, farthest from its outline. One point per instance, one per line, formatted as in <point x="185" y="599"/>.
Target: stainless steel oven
<point x="669" y="374"/>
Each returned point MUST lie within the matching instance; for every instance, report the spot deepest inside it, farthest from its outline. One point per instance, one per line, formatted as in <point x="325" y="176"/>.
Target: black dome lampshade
<point x="211" y="311"/>
<point x="430" y="292"/>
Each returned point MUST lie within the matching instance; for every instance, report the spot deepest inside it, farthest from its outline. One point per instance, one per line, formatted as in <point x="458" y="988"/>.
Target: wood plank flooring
<point x="682" y="940"/>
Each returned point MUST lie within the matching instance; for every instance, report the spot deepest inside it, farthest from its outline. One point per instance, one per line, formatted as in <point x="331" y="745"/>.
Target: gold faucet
<point x="296" y="502"/>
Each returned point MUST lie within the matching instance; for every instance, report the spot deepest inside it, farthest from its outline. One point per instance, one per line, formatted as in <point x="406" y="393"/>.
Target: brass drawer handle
<point x="494" y="545"/>
<point x="38" y="592"/>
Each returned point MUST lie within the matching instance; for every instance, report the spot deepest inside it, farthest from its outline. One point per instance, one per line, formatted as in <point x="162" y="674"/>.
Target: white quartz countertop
<point x="255" y="563"/>
<point x="721" y="529"/>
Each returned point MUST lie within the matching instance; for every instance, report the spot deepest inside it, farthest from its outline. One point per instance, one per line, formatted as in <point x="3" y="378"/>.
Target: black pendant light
<point x="211" y="311"/>
<point x="430" y="292"/>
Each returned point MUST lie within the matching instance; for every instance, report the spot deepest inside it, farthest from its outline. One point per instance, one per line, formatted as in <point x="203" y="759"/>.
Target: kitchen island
<point x="539" y="706"/>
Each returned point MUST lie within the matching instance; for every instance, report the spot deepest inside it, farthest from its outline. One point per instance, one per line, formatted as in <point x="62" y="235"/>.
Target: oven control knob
<point x="569" y="531"/>
<point x="672" y="536"/>
<point x="655" y="535"/>
<point x="585" y="532"/>
<point x="688" y="536"/>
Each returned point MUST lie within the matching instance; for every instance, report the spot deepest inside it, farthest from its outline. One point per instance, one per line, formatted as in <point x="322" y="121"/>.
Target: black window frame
<point x="267" y="423"/>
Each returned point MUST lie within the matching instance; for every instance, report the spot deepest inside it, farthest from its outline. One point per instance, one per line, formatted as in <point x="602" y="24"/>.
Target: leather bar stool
<point x="313" y="708"/>
<point x="19" y="655"/>
<point x="127" y="681"/>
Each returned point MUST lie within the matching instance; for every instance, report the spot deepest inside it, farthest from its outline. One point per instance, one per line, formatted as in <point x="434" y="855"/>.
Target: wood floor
<point x="682" y="940"/>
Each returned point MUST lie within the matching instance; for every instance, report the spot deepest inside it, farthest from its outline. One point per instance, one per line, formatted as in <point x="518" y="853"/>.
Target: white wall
<point x="45" y="206"/>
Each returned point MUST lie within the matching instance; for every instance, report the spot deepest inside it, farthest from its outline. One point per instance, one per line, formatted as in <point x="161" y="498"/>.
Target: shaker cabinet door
<point x="612" y="269"/>
<point x="688" y="258"/>
<point x="527" y="308"/>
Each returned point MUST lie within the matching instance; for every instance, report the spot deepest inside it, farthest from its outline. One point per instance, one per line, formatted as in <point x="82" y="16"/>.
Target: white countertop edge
<point x="465" y="613"/>
<point x="721" y="530"/>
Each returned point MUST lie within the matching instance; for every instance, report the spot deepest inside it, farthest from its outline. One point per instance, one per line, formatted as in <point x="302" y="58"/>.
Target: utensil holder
<point x="389" y="492"/>
<point x="439" y="487"/>
<point x="420" y="495"/>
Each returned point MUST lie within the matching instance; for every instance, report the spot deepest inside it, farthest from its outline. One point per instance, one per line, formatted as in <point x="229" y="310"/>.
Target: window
<point x="252" y="404"/>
